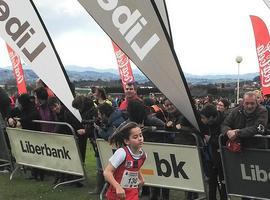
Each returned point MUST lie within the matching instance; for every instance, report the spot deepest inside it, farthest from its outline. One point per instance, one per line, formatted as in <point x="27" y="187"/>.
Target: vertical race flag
<point x="263" y="51"/>
<point x="137" y="29"/>
<point x="23" y="29"/>
<point x="17" y="70"/>
<point x="124" y="66"/>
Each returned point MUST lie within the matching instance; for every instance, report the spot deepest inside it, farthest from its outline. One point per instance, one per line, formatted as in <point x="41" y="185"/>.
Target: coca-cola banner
<point x="124" y="66"/>
<point x="136" y="28"/>
<point x="17" y="70"/>
<point x="263" y="51"/>
<point x="22" y="28"/>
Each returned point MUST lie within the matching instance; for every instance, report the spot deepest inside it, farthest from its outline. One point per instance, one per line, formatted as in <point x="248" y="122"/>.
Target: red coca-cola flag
<point x="17" y="70"/>
<point x="124" y="66"/>
<point x="263" y="51"/>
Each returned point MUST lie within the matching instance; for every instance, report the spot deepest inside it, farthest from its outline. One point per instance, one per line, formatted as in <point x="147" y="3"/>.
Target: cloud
<point x="64" y="16"/>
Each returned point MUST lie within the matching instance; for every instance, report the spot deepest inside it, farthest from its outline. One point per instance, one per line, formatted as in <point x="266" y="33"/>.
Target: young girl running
<point x="123" y="171"/>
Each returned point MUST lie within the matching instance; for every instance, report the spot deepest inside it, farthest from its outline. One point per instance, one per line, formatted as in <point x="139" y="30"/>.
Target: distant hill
<point x="91" y="73"/>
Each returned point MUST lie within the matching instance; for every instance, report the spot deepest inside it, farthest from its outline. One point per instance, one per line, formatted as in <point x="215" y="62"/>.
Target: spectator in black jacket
<point x="111" y="118"/>
<point x="88" y="112"/>
<point x="63" y="115"/>
<point x="243" y="121"/>
<point x="138" y="113"/>
<point x="213" y="119"/>
<point x="28" y="113"/>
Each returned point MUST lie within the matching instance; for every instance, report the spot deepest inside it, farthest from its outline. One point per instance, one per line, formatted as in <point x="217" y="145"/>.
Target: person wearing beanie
<point x="44" y="111"/>
<point x="212" y="119"/>
<point x="26" y="112"/>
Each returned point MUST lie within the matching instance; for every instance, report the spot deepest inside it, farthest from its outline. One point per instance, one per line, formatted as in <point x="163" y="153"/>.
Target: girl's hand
<point x="178" y="126"/>
<point x="141" y="179"/>
<point x="120" y="192"/>
<point x="141" y="183"/>
<point x="12" y="123"/>
<point x="81" y="131"/>
<point x="206" y="138"/>
<point x="169" y="124"/>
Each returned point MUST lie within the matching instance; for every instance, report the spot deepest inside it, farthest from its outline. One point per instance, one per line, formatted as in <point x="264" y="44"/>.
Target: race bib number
<point x="130" y="179"/>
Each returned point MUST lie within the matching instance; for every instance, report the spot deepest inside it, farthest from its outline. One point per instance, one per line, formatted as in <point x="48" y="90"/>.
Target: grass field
<point x="19" y="188"/>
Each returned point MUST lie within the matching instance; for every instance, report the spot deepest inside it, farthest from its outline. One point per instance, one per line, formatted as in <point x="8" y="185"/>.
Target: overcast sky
<point x="208" y="35"/>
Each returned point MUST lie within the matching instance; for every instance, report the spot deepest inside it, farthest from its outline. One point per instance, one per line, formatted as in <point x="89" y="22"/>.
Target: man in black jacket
<point x="244" y="120"/>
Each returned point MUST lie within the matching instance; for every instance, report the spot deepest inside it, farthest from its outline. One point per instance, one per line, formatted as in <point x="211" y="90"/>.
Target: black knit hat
<point x="209" y="111"/>
<point x="24" y="100"/>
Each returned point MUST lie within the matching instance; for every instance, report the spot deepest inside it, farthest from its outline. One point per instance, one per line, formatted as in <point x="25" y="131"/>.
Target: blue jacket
<point x="114" y="121"/>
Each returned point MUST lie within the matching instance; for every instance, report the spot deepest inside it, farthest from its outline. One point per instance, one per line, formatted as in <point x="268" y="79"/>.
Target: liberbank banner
<point x="168" y="166"/>
<point x="249" y="169"/>
<point x="56" y="152"/>
<point x="22" y="28"/>
<point x="136" y="28"/>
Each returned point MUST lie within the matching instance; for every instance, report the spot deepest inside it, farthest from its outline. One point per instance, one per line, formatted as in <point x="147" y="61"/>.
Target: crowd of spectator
<point x="101" y="115"/>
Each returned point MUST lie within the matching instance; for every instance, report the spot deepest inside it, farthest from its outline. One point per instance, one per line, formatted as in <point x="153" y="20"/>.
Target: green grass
<point x="21" y="189"/>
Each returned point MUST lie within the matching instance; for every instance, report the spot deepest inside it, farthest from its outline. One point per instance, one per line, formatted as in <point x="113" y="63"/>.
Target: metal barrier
<point x="50" y="151"/>
<point x="172" y="166"/>
<point x="247" y="173"/>
<point x="5" y="155"/>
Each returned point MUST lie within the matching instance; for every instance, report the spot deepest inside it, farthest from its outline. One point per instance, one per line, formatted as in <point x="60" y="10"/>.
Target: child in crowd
<point x="123" y="171"/>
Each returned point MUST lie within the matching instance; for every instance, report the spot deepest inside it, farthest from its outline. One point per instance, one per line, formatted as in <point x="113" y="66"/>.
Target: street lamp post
<point x="238" y="59"/>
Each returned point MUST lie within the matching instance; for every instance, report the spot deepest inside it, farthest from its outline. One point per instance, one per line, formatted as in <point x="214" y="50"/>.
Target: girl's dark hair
<point x="209" y="111"/>
<point x="136" y="111"/>
<point x="106" y="109"/>
<point x="52" y="101"/>
<point x="24" y="100"/>
<point x="82" y="103"/>
<point x="41" y="93"/>
<point x="122" y="133"/>
<point x="102" y="93"/>
<point x="225" y="102"/>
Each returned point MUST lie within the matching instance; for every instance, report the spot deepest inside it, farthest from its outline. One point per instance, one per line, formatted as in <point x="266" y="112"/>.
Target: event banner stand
<point x="247" y="172"/>
<point x="48" y="151"/>
<point x="172" y="166"/>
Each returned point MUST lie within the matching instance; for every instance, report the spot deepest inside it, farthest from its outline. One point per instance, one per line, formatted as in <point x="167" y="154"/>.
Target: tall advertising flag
<point x="17" y="70"/>
<point x="263" y="51"/>
<point x="22" y="28"/>
<point x="267" y="2"/>
<point x="124" y="67"/>
<point x="137" y="29"/>
<point x="162" y="10"/>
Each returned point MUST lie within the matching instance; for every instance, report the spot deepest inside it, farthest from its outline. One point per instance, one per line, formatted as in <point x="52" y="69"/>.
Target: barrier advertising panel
<point x="50" y="151"/>
<point x="247" y="173"/>
<point x="167" y="165"/>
